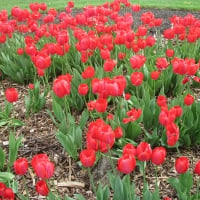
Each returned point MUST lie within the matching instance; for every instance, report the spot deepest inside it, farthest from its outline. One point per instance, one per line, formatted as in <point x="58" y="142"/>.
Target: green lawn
<point x="60" y="4"/>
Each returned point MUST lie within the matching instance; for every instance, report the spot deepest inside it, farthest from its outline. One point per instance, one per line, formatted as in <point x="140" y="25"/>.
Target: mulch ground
<point x="39" y="137"/>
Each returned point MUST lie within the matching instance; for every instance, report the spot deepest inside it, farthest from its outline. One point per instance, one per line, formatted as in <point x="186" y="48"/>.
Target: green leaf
<point x="146" y="193"/>
<point x="156" y="195"/>
<point x="22" y="197"/>
<point x="133" y="130"/>
<point x="3" y="122"/>
<point x="13" y="148"/>
<point x="118" y="189"/>
<point x="17" y="122"/>
<point x="84" y="119"/>
<point x="186" y="181"/>
<point x="79" y="197"/>
<point x="68" y="198"/>
<point x="58" y="111"/>
<point x="6" y="176"/>
<point x="52" y="118"/>
<point x="78" y="136"/>
<point x="51" y="196"/>
<point x="99" y="194"/>
<point x="2" y="158"/>
<point x="106" y="192"/>
<point x="174" y="182"/>
<point x="68" y="142"/>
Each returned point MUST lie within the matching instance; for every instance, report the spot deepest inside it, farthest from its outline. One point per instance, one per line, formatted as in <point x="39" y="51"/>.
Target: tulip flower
<point x="11" y="95"/>
<point x="87" y="157"/>
<point x="182" y="164"/>
<point x="126" y="164"/>
<point x="21" y="166"/>
<point x="42" y="188"/>
<point x="158" y="155"/>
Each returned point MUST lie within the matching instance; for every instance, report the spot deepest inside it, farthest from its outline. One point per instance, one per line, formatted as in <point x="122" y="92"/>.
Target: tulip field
<point x="99" y="103"/>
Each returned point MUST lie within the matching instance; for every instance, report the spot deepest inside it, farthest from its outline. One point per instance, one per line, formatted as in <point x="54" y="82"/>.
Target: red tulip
<point x="126" y="164"/>
<point x="31" y="86"/>
<point x="101" y="105"/>
<point x="137" y="78"/>
<point x="150" y="41"/>
<point x="88" y="72"/>
<point x="127" y="96"/>
<point x="161" y="63"/>
<point x="8" y="194"/>
<point x="169" y="34"/>
<point x="39" y="157"/>
<point x="161" y="101"/>
<point x="20" y="51"/>
<point x="121" y="55"/>
<point x="44" y="169"/>
<point x="87" y="157"/>
<point x="133" y="115"/>
<point x="42" y="61"/>
<point x="83" y="89"/>
<point x="155" y="75"/>
<point x="167" y="198"/>
<point x="21" y="166"/>
<point x="137" y="61"/>
<point x="197" y="168"/>
<point x="172" y="132"/>
<point x="109" y="65"/>
<point x="144" y="151"/>
<point x="118" y="132"/>
<point x="105" y="54"/>
<point x="188" y="100"/>
<point x="11" y="95"/>
<point x="42" y="188"/>
<point x="182" y="164"/>
<point x="135" y="7"/>
<point x="158" y="155"/>
<point x="2" y="188"/>
<point x="61" y="87"/>
<point x="129" y="149"/>
<point x="169" y="52"/>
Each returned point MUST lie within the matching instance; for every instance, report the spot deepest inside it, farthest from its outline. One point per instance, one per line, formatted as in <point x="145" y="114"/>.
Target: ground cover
<point x="52" y="113"/>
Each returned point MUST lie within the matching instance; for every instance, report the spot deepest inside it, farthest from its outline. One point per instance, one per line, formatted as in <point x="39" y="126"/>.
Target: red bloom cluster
<point x="62" y="85"/>
<point x="167" y="118"/>
<point x="44" y="169"/>
<point x="6" y="193"/>
<point x="109" y="87"/>
<point x="100" y="136"/>
<point x="133" y="115"/>
<point x="88" y="72"/>
<point x="143" y="152"/>
<point x="99" y="105"/>
<point x="186" y="67"/>
<point x="137" y="61"/>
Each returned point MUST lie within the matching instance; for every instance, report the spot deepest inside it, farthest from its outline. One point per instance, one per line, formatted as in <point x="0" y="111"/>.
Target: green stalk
<point x="198" y="183"/>
<point x="91" y="180"/>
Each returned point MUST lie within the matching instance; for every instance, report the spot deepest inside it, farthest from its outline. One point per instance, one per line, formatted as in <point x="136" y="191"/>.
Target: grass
<point x="60" y="4"/>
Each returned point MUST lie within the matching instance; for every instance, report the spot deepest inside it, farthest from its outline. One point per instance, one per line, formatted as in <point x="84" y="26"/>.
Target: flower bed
<point x="108" y="90"/>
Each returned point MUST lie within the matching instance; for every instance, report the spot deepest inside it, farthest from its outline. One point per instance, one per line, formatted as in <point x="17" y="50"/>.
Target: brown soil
<point x="39" y="137"/>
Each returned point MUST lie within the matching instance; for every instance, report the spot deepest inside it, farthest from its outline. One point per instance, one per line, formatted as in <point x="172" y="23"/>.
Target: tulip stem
<point x="156" y="169"/>
<point x="25" y="186"/>
<point x="66" y="105"/>
<point x="91" y="180"/>
<point x="111" y="161"/>
<point x="198" y="188"/>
